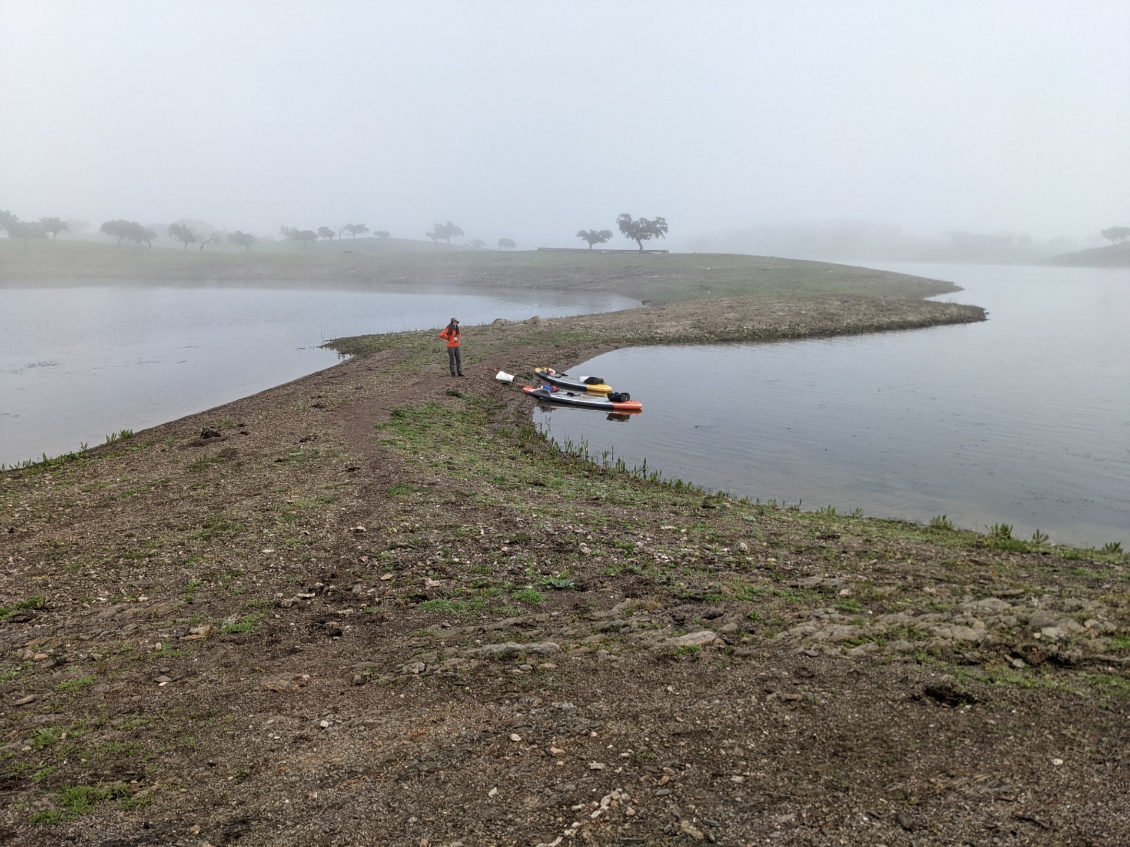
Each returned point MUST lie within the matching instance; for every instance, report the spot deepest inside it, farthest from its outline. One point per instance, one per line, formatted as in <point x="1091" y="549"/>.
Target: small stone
<point x="688" y="828"/>
<point x="691" y="639"/>
<point x="492" y="793"/>
<point x="286" y="682"/>
<point x="556" y="751"/>
<point x="515" y="736"/>
<point x="597" y="766"/>
<point x="197" y="633"/>
<point x="510" y="648"/>
<point x="1057" y="762"/>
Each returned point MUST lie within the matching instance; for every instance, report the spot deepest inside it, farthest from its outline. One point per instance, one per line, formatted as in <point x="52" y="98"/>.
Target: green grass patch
<point x="560" y="582"/>
<point x="130" y="803"/>
<point x="44" y="737"/>
<point x="76" y="800"/>
<point x="530" y="596"/>
<point x="29" y="603"/>
<point x="76" y="684"/>
<point x="1107" y="685"/>
<point x="246" y="624"/>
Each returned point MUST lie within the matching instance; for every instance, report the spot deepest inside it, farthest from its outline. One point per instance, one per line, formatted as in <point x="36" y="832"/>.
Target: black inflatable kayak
<point x="605" y="402"/>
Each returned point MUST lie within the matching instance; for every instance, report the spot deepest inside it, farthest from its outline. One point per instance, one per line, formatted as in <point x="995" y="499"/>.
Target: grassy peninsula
<point x="375" y="606"/>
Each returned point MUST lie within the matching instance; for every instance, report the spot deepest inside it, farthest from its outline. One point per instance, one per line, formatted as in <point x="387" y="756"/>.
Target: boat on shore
<point x="612" y="402"/>
<point x="586" y="384"/>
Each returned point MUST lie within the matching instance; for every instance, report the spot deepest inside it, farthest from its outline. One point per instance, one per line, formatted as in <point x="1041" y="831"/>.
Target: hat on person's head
<point x="455" y="320"/>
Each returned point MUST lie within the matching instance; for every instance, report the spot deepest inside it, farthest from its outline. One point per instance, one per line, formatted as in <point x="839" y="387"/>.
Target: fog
<point x="533" y="120"/>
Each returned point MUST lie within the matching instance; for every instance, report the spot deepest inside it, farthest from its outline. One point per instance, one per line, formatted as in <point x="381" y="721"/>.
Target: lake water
<point x="1023" y="419"/>
<point x="78" y="363"/>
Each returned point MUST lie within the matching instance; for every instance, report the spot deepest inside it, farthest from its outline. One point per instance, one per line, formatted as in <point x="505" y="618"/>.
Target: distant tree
<point x="641" y="230"/>
<point x="478" y="244"/>
<point x="326" y="233"/>
<point x="445" y="231"/>
<point x="356" y="229"/>
<point x="182" y="233"/>
<point x="118" y="229"/>
<point x="128" y="229"/>
<point x="592" y="236"/>
<point x="381" y="233"/>
<point x="53" y="226"/>
<point x="289" y="233"/>
<point x="140" y="233"/>
<point x="194" y="235"/>
<point x="506" y="244"/>
<point x="306" y="236"/>
<point x="1116" y="234"/>
<point x="243" y="239"/>
<point x="21" y="229"/>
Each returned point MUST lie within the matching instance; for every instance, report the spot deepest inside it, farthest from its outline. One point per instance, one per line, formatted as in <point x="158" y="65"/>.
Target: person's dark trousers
<point x="455" y="360"/>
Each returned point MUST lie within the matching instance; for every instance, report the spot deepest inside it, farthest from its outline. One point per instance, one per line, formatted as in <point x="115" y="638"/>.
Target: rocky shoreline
<point x="373" y="606"/>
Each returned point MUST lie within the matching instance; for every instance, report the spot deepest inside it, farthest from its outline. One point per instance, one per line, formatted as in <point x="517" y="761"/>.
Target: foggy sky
<point x="531" y="120"/>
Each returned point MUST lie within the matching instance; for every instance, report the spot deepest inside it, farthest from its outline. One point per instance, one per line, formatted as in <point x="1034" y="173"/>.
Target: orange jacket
<point x="452" y="338"/>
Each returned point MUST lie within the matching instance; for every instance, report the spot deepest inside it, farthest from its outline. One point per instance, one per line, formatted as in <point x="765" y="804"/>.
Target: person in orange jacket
<point x="450" y="334"/>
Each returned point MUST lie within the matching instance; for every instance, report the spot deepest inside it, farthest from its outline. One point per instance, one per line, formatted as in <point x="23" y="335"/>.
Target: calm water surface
<point x="1023" y="419"/>
<point x="78" y="363"/>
